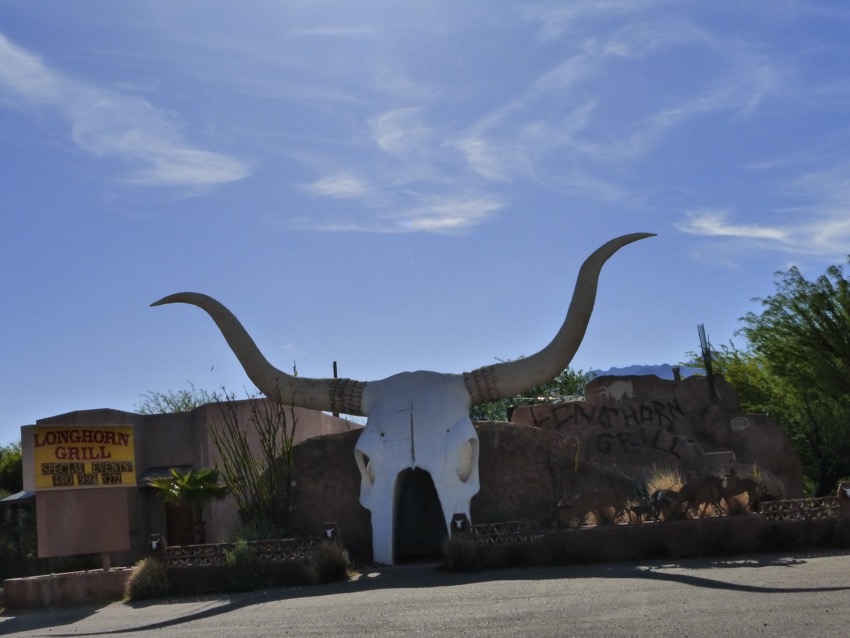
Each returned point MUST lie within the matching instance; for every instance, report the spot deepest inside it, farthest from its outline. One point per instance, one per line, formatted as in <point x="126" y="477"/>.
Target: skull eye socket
<point x="365" y="466"/>
<point x="466" y="460"/>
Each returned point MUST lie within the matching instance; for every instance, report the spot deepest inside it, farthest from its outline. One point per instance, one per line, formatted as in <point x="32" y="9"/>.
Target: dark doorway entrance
<point x="419" y="526"/>
<point x="178" y="524"/>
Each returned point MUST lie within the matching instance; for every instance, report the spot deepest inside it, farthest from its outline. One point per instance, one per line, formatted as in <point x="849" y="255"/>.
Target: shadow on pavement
<point x="29" y="620"/>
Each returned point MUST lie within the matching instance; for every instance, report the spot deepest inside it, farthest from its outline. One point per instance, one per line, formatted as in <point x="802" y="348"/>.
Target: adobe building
<point x="624" y="430"/>
<point x="87" y="472"/>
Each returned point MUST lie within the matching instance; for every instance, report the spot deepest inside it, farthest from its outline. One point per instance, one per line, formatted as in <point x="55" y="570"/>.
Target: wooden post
<point x="336" y="414"/>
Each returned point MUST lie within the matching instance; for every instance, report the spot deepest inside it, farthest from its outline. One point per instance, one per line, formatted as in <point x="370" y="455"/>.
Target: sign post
<point x="76" y="467"/>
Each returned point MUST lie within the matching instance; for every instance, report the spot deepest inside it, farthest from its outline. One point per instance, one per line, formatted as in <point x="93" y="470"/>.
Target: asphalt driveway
<point x="764" y="595"/>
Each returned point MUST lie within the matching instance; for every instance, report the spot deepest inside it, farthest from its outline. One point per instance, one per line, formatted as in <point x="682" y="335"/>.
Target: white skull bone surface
<point x="416" y="419"/>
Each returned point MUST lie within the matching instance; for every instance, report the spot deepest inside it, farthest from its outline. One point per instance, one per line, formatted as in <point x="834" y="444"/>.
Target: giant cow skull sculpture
<point x="417" y="419"/>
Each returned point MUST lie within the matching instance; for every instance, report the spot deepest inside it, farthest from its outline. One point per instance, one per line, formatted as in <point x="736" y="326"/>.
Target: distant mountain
<point x="663" y="371"/>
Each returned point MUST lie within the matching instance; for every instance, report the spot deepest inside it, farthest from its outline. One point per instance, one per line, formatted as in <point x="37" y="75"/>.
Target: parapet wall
<point x="65" y="590"/>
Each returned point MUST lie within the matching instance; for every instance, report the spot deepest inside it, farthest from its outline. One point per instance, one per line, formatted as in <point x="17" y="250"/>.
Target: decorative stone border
<point x="509" y="533"/>
<point x="802" y="509"/>
<point x="214" y="554"/>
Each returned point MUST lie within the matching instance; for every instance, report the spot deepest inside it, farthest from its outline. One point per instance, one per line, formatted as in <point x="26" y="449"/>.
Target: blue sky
<point x="400" y="186"/>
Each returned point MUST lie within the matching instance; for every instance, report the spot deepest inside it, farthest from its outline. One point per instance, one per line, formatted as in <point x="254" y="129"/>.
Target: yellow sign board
<point x="77" y="456"/>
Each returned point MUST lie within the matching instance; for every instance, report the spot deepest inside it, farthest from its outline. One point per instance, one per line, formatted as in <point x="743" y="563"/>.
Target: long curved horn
<point x="503" y="380"/>
<point x="333" y="395"/>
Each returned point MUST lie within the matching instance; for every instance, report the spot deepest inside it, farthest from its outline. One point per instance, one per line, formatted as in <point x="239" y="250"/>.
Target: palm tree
<point x="195" y="488"/>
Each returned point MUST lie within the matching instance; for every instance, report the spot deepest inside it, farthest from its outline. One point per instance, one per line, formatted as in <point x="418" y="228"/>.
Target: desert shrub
<point x="148" y="580"/>
<point x="261" y="484"/>
<point x="242" y="566"/>
<point x="330" y="563"/>
<point x="18" y="547"/>
<point x="460" y="554"/>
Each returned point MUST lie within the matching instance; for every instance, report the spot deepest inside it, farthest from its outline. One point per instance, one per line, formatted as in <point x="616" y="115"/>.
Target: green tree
<point x="567" y="385"/>
<point x="802" y="337"/>
<point x="797" y="369"/>
<point x="819" y="436"/>
<point x="195" y="488"/>
<point x="175" y="400"/>
<point x="803" y="332"/>
<point x="760" y="391"/>
<point x="17" y="523"/>
<point x="11" y="469"/>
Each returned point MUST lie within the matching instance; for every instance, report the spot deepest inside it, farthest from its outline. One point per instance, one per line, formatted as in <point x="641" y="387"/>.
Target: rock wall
<point x="639" y="422"/>
<point x="626" y="428"/>
<point x="327" y="489"/>
<point x="525" y="471"/>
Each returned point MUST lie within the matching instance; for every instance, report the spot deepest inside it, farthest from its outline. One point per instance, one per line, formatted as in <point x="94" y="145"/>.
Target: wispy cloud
<point x="510" y="138"/>
<point x="737" y="94"/>
<point x="395" y="189"/>
<point x="400" y="132"/>
<point x="589" y="119"/>
<point x="824" y="236"/>
<point x="449" y="214"/>
<point x="827" y="194"/>
<point x="420" y="213"/>
<point x="110" y="123"/>
<point x="828" y="186"/>
<point x="26" y="75"/>
<point x="714" y="223"/>
<point x="340" y="185"/>
<point x="556" y="19"/>
<point x="573" y="131"/>
<point x="483" y="155"/>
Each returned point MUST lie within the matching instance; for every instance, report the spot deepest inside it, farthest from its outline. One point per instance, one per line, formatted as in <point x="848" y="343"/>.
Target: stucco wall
<point x="85" y="521"/>
<point x="90" y="521"/>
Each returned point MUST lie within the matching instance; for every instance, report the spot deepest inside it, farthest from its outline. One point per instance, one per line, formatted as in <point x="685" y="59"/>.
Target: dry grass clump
<point x="663" y="479"/>
<point x="460" y="554"/>
<point x="148" y="580"/>
<point x="596" y="507"/>
<point x="676" y="499"/>
<point x="738" y="504"/>
<point x="330" y="563"/>
<point x="604" y="516"/>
